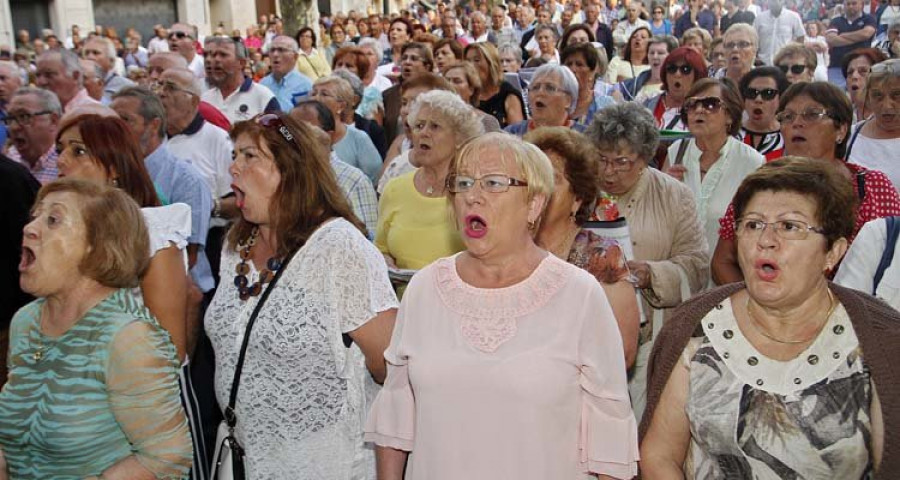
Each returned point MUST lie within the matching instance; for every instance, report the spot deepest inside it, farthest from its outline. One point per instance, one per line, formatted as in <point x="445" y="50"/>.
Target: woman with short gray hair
<point x="670" y="258"/>
<point x="552" y="98"/>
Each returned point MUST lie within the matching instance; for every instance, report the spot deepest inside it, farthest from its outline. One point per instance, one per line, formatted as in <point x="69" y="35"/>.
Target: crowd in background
<point x="649" y="203"/>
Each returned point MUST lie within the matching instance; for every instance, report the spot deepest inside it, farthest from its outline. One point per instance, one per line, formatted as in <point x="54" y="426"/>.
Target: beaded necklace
<point x="245" y="290"/>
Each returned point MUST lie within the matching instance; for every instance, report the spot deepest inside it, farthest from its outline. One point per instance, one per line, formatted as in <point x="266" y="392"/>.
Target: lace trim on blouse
<point x="488" y="316"/>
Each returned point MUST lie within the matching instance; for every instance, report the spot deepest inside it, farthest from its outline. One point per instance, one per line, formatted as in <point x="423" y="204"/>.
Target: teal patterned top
<point x="105" y="390"/>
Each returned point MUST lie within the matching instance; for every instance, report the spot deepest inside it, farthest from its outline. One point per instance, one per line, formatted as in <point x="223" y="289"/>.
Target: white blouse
<point x="302" y="397"/>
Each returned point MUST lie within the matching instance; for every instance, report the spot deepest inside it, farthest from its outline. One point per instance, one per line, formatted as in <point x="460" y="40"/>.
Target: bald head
<point x="179" y="93"/>
<point x="93" y="78"/>
<point x="183" y="78"/>
<point x="163" y="61"/>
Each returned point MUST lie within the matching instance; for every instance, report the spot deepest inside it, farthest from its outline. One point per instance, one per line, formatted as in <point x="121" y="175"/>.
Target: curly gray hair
<point x="372" y="44"/>
<point x="625" y="124"/>
<point x="448" y="106"/>
<point x="565" y="76"/>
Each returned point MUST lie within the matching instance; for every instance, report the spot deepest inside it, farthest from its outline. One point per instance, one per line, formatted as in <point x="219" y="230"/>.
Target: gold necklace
<point x="759" y="328"/>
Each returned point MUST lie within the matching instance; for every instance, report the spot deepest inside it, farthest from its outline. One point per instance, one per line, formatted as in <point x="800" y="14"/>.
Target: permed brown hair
<point x="116" y="233"/>
<point x="362" y="61"/>
<point x="308" y="194"/>
<point x="836" y="203"/>
<point x="581" y="168"/>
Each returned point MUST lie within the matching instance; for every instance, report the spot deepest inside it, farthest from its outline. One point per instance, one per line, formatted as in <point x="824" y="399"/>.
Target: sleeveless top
<point x="496" y="105"/>
<point x="764" y="419"/>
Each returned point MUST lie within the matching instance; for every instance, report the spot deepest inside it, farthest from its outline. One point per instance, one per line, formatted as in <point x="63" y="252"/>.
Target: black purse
<point x="229" y="453"/>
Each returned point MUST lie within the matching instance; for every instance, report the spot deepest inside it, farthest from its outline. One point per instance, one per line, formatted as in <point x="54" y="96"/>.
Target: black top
<point x="496" y="105"/>
<point x="20" y="189"/>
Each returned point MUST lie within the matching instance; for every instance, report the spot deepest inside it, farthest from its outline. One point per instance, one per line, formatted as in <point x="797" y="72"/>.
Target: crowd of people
<point x="533" y="240"/>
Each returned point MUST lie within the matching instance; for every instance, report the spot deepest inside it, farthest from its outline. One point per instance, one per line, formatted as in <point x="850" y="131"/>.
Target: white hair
<point x="371" y="43"/>
<point x="448" y="106"/>
<point x="565" y="76"/>
<point x="107" y="45"/>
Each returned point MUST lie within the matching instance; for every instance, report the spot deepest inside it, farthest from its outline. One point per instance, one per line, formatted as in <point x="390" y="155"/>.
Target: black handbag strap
<point x="230" y="418"/>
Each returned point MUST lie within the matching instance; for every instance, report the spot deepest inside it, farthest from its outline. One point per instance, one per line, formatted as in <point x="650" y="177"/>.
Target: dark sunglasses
<point x="685" y="69"/>
<point x="271" y="120"/>
<point x="178" y="35"/>
<point x="795" y="69"/>
<point x="709" y="104"/>
<point x="767" y="93"/>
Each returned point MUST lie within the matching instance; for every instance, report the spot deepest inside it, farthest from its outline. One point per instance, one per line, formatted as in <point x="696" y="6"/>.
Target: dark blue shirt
<point x="842" y="25"/>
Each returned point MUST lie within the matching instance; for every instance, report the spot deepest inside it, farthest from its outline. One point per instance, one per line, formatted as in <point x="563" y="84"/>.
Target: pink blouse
<point x="524" y="382"/>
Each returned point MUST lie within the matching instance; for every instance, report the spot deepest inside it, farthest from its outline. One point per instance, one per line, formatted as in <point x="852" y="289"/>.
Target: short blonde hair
<point x="529" y="159"/>
<point x="116" y="233"/>
<point x="344" y="89"/>
<point x="700" y="34"/>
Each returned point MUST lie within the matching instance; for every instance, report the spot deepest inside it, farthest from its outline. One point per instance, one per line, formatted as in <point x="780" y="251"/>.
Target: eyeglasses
<point x="766" y="93"/>
<point x="795" y="69"/>
<point x="741" y="45"/>
<point x="808" y="116"/>
<point x="178" y="35"/>
<point x="496" y="183"/>
<point x="169" y="87"/>
<point x="545" y="87"/>
<point x="684" y="69"/>
<point x="271" y="120"/>
<point x="709" y="104"/>
<point x="785" y="229"/>
<point x="618" y="164"/>
<point x="24" y="119"/>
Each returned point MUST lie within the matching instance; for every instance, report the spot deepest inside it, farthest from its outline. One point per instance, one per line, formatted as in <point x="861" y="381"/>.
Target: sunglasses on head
<point x="766" y="93"/>
<point x="684" y="69"/>
<point x="709" y="104"/>
<point x="795" y="69"/>
<point x="270" y="120"/>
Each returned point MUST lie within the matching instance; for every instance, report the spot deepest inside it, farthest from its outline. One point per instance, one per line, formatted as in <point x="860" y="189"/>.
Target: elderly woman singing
<point x="506" y="361"/>
<point x="785" y="375"/>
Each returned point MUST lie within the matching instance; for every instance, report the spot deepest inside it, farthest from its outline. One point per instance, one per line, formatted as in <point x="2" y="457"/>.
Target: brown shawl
<point x="877" y="326"/>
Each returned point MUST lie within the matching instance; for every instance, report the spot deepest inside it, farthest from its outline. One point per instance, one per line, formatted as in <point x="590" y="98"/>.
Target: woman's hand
<point x="676" y="171"/>
<point x="641" y="272"/>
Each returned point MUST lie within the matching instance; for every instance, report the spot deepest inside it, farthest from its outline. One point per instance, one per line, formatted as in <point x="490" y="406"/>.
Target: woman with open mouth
<point x="681" y="68"/>
<point x="414" y="224"/>
<point x="93" y="381"/>
<point x="815" y="122"/>
<point x="875" y="142"/>
<point x="671" y="259"/>
<point x="516" y="345"/>
<point x="761" y="90"/>
<point x="714" y="161"/>
<point x="552" y="98"/>
<point x="741" y="44"/>
<point x="307" y="312"/>
<point x="634" y="59"/>
<point x="856" y="66"/>
<point x="785" y="375"/>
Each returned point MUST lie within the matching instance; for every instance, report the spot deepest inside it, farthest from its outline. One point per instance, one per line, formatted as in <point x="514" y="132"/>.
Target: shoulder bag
<point x="229" y="453"/>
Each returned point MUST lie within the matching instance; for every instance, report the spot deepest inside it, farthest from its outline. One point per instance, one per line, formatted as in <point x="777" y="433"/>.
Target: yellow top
<point x="414" y="229"/>
<point x="313" y="65"/>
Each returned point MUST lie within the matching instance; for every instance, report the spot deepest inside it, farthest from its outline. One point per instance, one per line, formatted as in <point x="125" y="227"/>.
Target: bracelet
<point x="217" y="212"/>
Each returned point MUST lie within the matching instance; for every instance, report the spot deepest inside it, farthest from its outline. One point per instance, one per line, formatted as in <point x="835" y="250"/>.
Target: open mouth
<point x="798" y="139"/>
<point x="539" y="104"/>
<point x="424" y="147"/>
<point x="757" y="111"/>
<point x="676" y="84"/>
<point x="475" y="226"/>
<point x="27" y="260"/>
<point x="767" y="269"/>
<point x="239" y="197"/>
